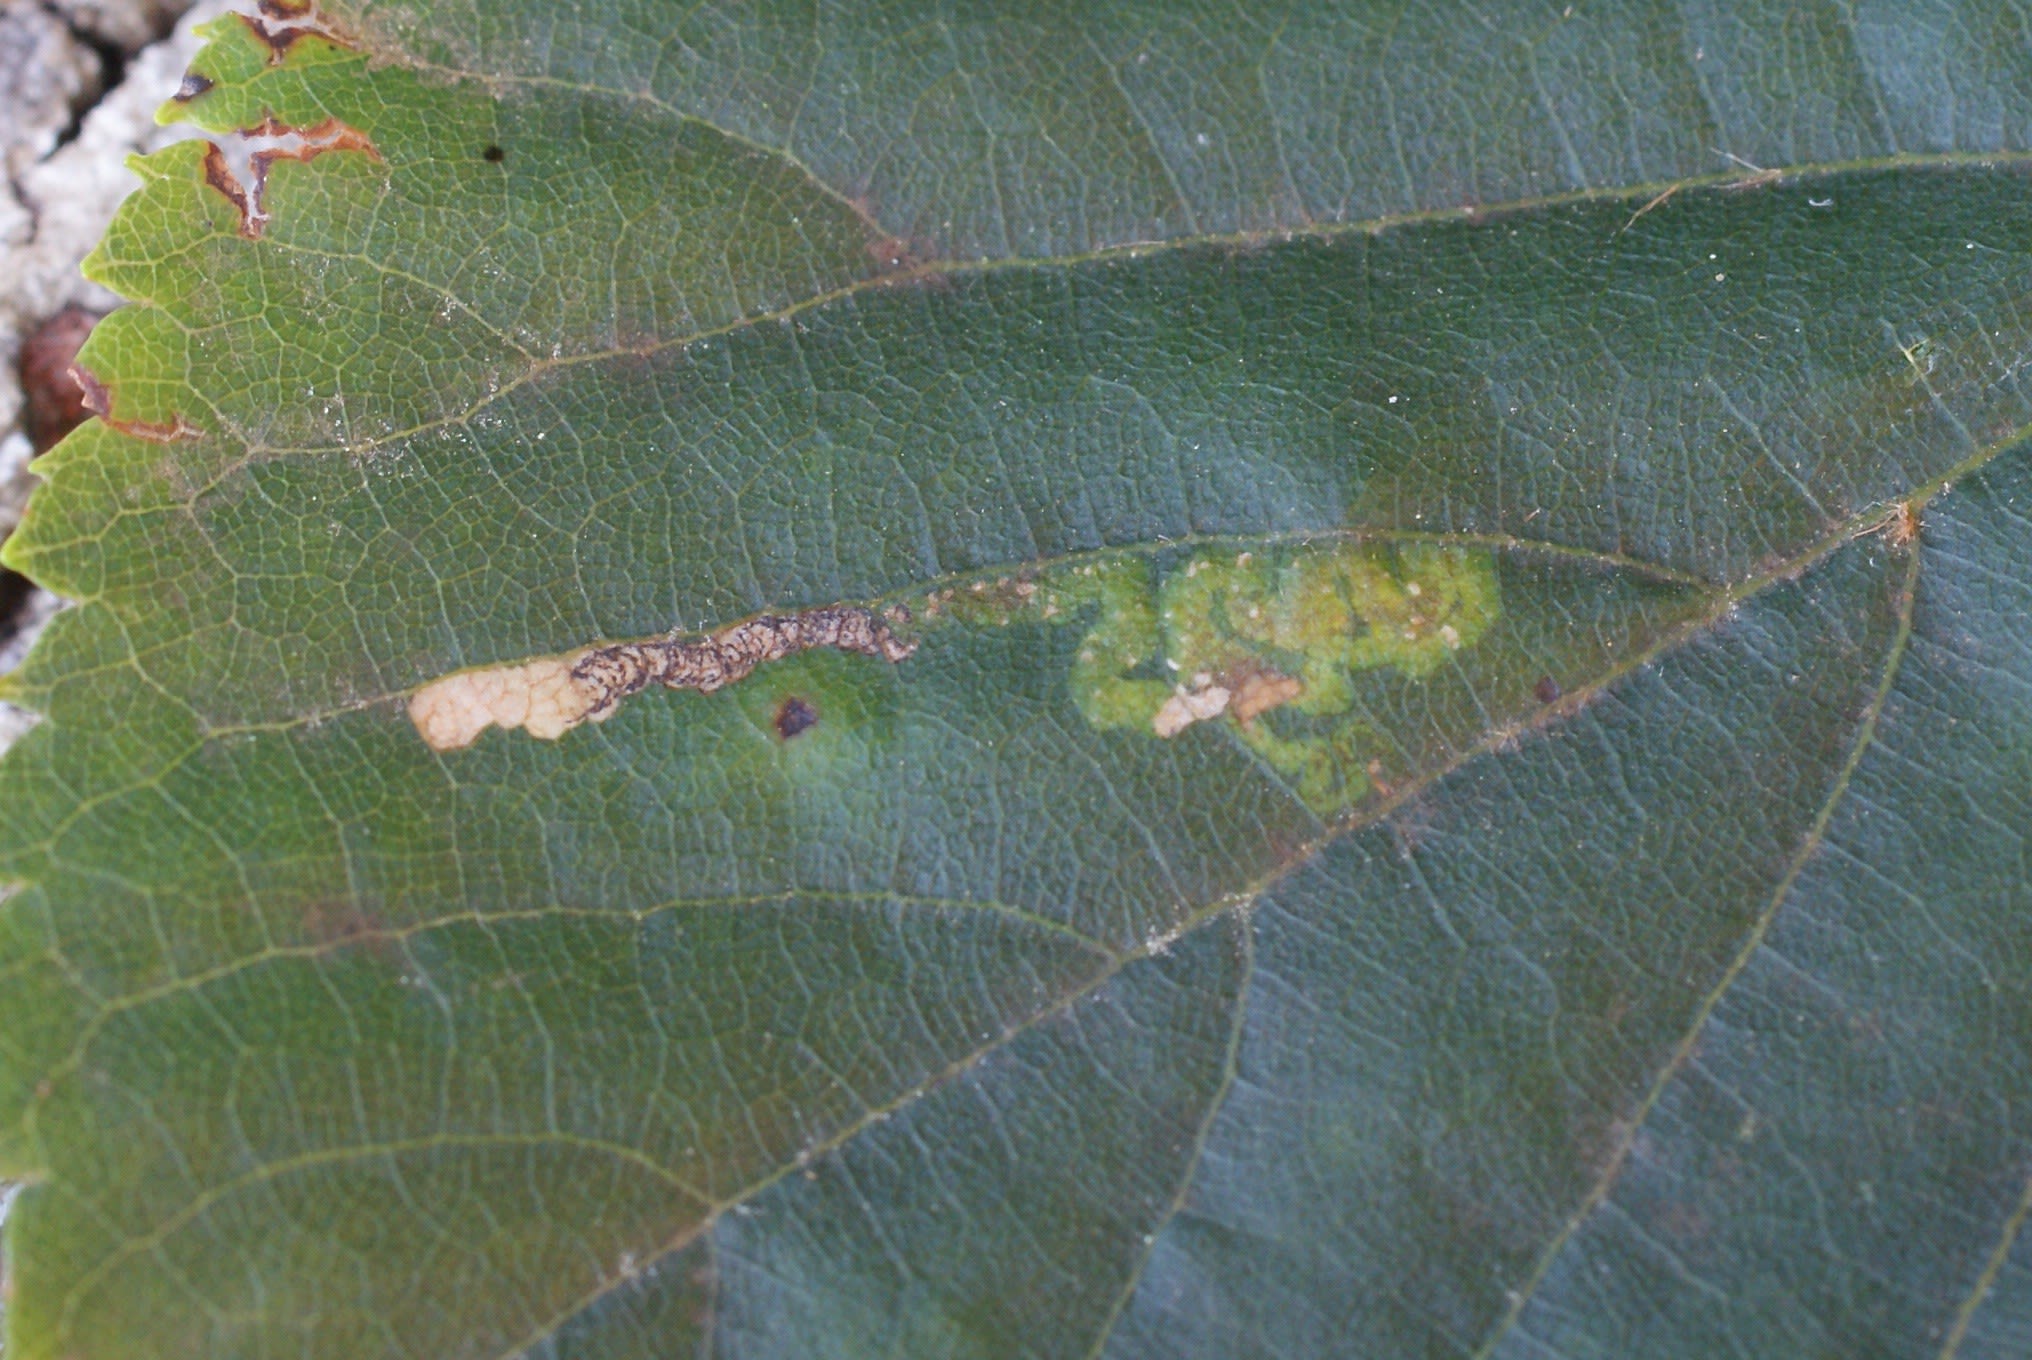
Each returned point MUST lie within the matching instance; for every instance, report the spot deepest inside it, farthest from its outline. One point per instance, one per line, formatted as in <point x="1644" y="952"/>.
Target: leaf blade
<point x="1413" y="503"/>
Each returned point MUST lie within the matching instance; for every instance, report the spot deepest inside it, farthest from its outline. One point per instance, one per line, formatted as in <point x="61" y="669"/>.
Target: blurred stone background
<point x="80" y="81"/>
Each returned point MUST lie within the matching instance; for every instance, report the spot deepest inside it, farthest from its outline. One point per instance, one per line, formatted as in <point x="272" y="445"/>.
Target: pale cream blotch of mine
<point x="1237" y="635"/>
<point x="540" y="697"/>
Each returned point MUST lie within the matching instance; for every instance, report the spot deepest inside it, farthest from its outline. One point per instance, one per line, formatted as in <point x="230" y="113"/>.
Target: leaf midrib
<point x="1649" y="194"/>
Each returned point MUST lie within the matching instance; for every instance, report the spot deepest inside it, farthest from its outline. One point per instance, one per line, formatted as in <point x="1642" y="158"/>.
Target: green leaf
<point x="775" y="680"/>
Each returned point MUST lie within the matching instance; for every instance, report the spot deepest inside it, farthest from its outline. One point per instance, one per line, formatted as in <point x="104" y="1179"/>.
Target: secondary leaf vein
<point x="1753" y="942"/>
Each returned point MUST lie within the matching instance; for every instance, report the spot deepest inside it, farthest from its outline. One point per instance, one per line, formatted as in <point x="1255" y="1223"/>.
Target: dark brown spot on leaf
<point x="193" y="86"/>
<point x="793" y="716"/>
<point x="493" y="154"/>
<point x="1547" y="690"/>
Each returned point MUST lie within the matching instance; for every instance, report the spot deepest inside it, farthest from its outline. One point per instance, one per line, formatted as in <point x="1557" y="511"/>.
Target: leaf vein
<point x="1230" y="1068"/>
<point x="945" y="269"/>
<point x="1993" y="1266"/>
<point x="77" y="1292"/>
<point x="1753" y="943"/>
<point x="1237" y="902"/>
<point x="111" y="1008"/>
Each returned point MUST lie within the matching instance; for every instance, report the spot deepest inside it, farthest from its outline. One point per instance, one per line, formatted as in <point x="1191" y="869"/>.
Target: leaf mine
<point x="1418" y="704"/>
<point x="1243" y="634"/>
<point x="550" y="696"/>
<point x="263" y="146"/>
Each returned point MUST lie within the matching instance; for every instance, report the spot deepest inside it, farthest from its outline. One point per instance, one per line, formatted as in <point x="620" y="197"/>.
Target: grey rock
<point x="129" y="25"/>
<point x="46" y="76"/>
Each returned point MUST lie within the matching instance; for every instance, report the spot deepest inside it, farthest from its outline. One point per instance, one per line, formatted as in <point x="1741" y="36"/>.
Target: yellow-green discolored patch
<point x="1266" y="641"/>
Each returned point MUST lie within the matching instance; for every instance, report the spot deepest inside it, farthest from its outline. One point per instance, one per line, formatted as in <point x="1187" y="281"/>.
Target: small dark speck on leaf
<point x="493" y="154"/>
<point x="1547" y="690"/>
<point x="793" y="716"/>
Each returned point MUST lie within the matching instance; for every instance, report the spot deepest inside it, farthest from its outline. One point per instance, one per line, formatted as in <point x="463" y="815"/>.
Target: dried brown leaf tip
<point x="549" y="697"/>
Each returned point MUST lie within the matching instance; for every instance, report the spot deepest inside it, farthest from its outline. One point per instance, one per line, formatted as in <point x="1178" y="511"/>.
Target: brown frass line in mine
<point x="725" y="657"/>
<point x="550" y="696"/>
